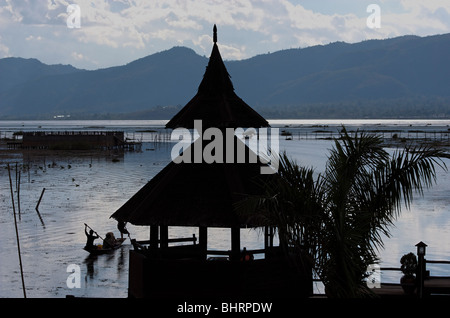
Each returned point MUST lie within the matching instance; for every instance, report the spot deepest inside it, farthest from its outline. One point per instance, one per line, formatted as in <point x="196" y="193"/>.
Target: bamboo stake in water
<point x="40" y="198"/>
<point x="17" y="233"/>
<point x="37" y="207"/>
<point x="18" y="195"/>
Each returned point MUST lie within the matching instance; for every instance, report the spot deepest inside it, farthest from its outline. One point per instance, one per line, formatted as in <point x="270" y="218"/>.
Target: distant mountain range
<point x="404" y="77"/>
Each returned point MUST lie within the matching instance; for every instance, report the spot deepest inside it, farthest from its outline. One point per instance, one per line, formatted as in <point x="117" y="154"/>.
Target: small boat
<point x="98" y="248"/>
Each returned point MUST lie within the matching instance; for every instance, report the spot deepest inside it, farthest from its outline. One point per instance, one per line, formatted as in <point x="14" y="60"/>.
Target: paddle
<point x="93" y="230"/>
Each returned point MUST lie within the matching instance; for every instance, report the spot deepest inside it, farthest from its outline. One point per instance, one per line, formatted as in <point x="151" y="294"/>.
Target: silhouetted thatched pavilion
<point x="205" y="195"/>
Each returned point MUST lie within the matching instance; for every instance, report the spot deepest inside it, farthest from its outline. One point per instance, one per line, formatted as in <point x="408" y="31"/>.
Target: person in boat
<point x="122" y="229"/>
<point x="90" y="237"/>
<point x="109" y="240"/>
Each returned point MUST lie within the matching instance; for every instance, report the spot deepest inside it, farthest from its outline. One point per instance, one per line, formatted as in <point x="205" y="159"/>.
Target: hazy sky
<point x="115" y="32"/>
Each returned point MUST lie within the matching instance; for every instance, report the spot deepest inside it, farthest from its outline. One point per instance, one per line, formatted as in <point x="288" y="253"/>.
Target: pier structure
<point x="72" y="140"/>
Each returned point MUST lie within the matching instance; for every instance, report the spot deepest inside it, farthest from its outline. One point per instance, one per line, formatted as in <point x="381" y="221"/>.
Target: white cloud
<point x="33" y="38"/>
<point x="134" y="28"/>
<point x="4" y="50"/>
<point x="419" y="18"/>
<point x="182" y="22"/>
<point x="77" y="56"/>
<point x="235" y="52"/>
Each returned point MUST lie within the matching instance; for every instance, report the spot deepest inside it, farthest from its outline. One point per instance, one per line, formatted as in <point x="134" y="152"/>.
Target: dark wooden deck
<point x="170" y="276"/>
<point x="437" y="286"/>
<point x="433" y="286"/>
<point x="390" y="290"/>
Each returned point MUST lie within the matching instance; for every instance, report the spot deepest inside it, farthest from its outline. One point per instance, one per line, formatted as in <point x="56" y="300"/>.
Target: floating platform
<point x="73" y="140"/>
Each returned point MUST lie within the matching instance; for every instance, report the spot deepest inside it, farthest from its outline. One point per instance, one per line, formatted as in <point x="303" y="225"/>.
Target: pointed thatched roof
<point x="216" y="103"/>
<point x="196" y="194"/>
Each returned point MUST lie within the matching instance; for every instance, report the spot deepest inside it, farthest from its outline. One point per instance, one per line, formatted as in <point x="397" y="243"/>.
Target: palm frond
<point x="340" y="217"/>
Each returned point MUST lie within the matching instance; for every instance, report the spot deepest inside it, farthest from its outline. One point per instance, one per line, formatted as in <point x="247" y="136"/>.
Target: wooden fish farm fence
<point x="164" y="135"/>
<point x="116" y="139"/>
<point x="73" y="140"/>
<point x="427" y="135"/>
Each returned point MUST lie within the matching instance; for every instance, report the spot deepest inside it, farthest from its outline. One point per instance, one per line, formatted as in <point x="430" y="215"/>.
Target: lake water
<point x="88" y="188"/>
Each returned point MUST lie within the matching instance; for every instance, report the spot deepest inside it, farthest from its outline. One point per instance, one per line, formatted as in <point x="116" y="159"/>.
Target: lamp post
<point x="421" y="249"/>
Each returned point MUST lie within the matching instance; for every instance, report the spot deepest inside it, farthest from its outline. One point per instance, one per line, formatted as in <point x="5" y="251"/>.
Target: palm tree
<point x="339" y="217"/>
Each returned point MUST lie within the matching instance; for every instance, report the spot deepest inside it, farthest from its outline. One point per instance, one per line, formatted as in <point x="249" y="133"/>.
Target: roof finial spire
<point x="215" y="34"/>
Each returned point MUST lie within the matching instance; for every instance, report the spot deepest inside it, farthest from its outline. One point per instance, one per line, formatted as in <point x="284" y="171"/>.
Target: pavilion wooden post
<point x="154" y="236"/>
<point x="203" y="240"/>
<point x="268" y="236"/>
<point x="235" y="243"/>
<point x="164" y="236"/>
<point x="268" y="240"/>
